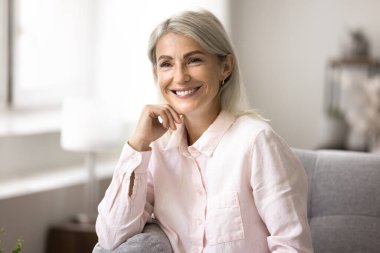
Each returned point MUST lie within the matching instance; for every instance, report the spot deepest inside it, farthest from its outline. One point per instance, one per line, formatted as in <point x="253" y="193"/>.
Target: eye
<point x="195" y="60"/>
<point x="165" y="64"/>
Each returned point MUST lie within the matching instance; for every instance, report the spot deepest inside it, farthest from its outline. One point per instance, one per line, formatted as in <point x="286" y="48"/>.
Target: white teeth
<point x="182" y="93"/>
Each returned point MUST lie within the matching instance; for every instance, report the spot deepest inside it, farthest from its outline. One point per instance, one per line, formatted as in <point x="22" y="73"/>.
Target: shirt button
<point x="199" y="221"/>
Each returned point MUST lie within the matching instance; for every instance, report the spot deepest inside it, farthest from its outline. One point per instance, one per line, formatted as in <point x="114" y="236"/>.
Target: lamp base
<point x="90" y="194"/>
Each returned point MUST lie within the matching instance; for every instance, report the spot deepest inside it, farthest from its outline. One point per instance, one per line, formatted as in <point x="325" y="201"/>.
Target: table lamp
<point x="89" y="127"/>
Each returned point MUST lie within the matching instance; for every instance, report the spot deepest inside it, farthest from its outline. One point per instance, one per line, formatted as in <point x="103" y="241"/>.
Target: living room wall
<point x="284" y="47"/>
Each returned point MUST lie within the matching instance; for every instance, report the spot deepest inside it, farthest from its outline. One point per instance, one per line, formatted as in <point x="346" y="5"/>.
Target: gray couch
<point x="343" y="201"/>
<point x="343" y="205"/>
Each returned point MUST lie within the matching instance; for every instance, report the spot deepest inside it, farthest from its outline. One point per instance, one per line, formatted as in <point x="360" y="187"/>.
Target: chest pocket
<point x="223" y="219"/>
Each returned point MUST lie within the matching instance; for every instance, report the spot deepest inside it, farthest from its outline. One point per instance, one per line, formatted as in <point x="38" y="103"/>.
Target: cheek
<point x="162" y="88"/>
<point x="212" y="73"/>
<point x="162" y="82"/>
<point x="213" y="81"/>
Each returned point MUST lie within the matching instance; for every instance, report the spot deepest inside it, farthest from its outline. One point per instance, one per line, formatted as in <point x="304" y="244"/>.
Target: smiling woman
<point x="213" y="174"/>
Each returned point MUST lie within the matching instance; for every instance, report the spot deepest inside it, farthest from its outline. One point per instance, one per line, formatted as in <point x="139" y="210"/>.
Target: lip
<point x="185" y="92"/>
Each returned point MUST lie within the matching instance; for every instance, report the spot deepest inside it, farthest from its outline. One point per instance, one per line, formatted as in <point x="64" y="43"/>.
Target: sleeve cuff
<point x="133" y="161"/>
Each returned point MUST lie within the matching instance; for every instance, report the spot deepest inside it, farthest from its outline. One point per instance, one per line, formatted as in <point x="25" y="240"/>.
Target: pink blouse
<point x="238" y="189"/>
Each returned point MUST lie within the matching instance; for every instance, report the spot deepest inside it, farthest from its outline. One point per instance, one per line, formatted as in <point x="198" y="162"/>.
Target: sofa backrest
<point x="343" y="200"/>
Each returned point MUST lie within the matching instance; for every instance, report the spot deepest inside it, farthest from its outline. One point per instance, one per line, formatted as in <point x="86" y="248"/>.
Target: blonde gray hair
<point x="203" y="27"/>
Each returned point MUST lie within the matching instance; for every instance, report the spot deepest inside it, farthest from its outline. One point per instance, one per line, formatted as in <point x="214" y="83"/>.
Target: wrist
<point x="139" y="145"/>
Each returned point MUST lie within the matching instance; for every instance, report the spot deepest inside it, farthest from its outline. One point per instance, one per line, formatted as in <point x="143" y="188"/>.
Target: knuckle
<point x="147" y="107"/>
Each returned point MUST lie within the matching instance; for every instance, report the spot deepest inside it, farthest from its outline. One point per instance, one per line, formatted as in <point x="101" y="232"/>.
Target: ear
<point x="227" y="66"/>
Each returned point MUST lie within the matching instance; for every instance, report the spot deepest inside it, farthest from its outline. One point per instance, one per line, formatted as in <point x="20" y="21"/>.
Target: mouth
<point x="185" y="93"/>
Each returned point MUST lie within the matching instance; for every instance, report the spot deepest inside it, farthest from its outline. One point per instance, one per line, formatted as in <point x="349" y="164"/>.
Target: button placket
<point x="199" y="208"/>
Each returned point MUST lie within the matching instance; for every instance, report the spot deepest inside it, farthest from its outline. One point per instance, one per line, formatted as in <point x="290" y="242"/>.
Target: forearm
<point x="124" y="209"/>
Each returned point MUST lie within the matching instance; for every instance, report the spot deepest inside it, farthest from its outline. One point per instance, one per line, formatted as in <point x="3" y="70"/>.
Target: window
<point x="60" y="48"/>
<point x="65" y="48"/>
<point x="3" y="53"/>
<point x="51" y="50"/>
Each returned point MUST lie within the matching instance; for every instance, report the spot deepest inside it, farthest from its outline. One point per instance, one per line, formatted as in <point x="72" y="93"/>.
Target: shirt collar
<point x="208" y="141"/>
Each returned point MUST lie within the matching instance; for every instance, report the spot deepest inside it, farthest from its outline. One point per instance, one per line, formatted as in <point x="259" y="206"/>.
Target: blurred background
<point x="74" y="75"/>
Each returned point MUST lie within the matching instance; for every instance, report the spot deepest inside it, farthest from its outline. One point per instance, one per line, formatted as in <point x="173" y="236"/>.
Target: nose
<point x="181" y="75"/>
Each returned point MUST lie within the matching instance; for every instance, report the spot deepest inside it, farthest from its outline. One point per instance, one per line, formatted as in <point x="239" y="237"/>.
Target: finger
<point x="176" y="117"/>
<point x="162" y="118"/>
<point x="165" y="116"/>
<point x="157" y="116"/>
<point x="169" y="123"/>
<point x="171" y="119"/>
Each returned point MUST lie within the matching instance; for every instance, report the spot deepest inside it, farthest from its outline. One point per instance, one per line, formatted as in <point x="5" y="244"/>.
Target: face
<point x="189" y="78"/>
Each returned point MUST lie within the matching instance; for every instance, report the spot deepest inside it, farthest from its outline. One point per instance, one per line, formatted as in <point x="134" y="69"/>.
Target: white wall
<point x="284" y="47"/>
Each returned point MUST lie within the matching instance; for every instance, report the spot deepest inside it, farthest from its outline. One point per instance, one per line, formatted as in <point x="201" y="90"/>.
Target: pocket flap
<point x="223" y="200"/>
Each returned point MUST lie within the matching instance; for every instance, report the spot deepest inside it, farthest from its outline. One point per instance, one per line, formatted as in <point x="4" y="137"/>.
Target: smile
<point x="184" y="93"/>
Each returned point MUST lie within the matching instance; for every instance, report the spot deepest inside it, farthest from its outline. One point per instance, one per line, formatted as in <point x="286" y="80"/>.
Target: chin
<point x="184" y="109"/>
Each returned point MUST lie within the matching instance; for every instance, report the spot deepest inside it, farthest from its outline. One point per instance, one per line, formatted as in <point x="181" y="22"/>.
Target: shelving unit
<point x="344" y="94"/>
<point x="336" y="68"/>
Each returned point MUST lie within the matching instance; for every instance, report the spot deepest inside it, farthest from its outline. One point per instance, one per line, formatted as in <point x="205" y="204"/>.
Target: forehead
<point x="172" y="44"/>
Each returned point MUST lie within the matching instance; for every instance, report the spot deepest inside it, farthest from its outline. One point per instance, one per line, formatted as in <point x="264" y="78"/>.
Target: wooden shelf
<point x="360" y="61"/>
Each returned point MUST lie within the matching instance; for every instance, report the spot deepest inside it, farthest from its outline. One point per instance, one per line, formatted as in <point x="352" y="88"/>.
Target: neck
<point x="197" y="124"/>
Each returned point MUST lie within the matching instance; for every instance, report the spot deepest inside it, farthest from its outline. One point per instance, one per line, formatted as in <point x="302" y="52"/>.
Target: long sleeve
<point x="280" y="192"/>
<point x="120" y="215"/>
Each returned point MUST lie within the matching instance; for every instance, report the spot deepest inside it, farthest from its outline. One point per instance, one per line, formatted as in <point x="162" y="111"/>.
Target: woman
<point x="216" y="177"/>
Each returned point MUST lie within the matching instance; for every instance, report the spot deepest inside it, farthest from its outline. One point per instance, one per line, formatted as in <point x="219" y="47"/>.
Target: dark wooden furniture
<point x="71" y="237"/>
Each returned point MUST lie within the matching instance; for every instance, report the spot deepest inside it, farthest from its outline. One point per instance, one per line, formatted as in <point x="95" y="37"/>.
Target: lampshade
<point x="89" y="125"/>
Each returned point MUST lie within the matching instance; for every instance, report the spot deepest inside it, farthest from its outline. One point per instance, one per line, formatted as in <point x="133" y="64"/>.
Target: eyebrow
<point x="185" y="56"/>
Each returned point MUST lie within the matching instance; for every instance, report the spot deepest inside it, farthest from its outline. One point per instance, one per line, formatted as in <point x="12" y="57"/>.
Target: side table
<point x="71" y="237"/>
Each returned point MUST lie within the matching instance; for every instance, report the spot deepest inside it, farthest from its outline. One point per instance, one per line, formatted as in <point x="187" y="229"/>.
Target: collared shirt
<point x="238" y="188"/>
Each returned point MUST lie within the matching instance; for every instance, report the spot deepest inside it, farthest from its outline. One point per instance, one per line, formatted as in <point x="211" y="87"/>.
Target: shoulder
<point x="244" y="131"/>
<point x="256" y="132"/>
<point x="250" y="126"/>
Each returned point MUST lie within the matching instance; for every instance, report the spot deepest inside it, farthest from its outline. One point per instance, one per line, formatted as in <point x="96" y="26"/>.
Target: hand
<point x="149" y="128"/>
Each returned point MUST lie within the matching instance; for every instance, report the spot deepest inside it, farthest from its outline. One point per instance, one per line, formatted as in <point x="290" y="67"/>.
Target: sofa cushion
<point x="343" y="200"/>
<point x="345" y="234"/>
